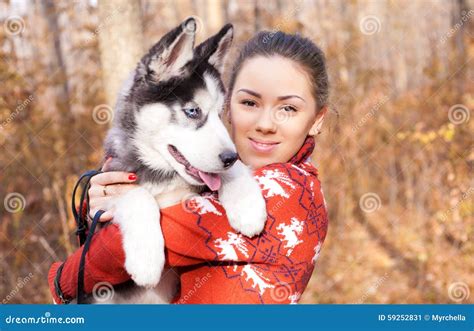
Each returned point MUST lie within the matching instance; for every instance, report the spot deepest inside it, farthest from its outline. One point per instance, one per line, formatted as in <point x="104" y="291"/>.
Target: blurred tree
<point x="56" y="66"/>
<point x="120" y="41"/>
<point x="215" y="15"/>
<point x="459" y="14"/>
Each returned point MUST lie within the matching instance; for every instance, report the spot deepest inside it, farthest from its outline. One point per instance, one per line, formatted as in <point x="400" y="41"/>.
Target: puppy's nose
<point x="228" y="158"/>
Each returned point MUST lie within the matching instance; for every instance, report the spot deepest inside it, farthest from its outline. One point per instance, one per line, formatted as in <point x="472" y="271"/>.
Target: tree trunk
<point x="56" y="67"/>
<point x="257" y="18"/>
<point x="120" y="33"/>
<point x="460" y="12"/>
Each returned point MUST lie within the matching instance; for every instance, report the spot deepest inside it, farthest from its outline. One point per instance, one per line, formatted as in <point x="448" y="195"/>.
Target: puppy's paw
<point x="247" y="215"/>
<point x="138" y="216"/>
<point x="144" y="272"/>
<point x="244" y="204"/>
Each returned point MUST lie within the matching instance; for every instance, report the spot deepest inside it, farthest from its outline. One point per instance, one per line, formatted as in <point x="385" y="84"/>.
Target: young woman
<point x="276" y="104"/>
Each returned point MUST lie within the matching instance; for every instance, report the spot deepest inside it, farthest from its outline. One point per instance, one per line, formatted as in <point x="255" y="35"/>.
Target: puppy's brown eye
<point x="193" y="113"/>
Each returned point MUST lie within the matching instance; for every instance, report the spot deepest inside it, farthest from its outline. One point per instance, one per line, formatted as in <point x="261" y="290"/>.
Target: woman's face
<point x="272" y="110"/>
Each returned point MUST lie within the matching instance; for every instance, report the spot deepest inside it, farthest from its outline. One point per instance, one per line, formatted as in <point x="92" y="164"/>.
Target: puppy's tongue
<point x="213" y="181"/>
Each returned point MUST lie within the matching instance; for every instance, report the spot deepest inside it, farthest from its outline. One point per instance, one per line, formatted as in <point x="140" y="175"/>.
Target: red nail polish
<point x="132" y="177"/>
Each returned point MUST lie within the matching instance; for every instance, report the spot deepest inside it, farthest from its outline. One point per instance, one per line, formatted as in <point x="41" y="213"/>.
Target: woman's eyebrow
<point x="291" y="96"/>
<point x="255" y="94"/>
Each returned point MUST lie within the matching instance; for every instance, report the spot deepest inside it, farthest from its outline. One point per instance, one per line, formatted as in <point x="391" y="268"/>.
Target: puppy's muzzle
<point x="228" y="158"/>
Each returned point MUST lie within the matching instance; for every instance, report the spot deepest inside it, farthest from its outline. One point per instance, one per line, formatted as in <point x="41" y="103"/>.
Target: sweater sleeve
<point x="105" y="262"/>
<point x="295" y="228"/>
<point x="201" y="233"/>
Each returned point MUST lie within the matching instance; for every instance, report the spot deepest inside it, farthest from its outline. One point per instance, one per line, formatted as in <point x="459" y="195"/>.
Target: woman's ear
<point x="318" y="122"/>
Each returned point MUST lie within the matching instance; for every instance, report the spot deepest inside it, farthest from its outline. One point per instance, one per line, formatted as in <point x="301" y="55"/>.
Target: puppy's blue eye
<point x="193" y="113"/>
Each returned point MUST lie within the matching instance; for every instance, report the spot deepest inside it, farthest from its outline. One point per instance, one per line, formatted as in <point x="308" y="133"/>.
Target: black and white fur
<point x="171" y="82"/>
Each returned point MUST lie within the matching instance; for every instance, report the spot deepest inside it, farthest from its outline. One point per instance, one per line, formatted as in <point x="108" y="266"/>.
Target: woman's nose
<point x="265" y="122"/>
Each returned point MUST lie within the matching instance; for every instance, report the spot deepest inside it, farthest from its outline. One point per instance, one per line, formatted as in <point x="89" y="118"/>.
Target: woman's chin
<point x="256" y="162"/>
<point x="256" y="159"/>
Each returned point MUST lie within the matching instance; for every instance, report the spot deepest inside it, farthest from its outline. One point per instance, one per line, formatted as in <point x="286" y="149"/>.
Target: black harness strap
<point x="80" y="276"/>
<point x="82" y="231"/>
<point x="57" y="287"/>
<point x="81" y="219"/>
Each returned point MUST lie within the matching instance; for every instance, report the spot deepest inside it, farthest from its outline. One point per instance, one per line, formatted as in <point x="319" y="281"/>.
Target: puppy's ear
<point x="168" y="57"/>
<point x="215" y="49"/>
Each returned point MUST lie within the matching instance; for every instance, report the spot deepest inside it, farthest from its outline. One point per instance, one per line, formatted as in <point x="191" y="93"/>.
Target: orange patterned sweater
<point x="216" y="264"/>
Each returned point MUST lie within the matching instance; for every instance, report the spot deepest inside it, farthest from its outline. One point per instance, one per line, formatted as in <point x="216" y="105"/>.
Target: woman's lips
<point x="262" y="146"/>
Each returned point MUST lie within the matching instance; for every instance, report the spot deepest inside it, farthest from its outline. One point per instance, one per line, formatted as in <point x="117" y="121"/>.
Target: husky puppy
<point x="167" y="129"/>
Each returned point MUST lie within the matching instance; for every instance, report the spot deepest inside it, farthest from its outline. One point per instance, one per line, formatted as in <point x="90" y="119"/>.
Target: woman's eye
<point x="193" y="113"/>
<point x="249" y="103"/>
<point x="289" y="109"/>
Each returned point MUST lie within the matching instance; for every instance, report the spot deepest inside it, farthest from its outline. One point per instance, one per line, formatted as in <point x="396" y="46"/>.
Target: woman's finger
<point x="113" y="177"/>
<point x="110" y="190"/>
<point x="106" y="217"/>
<point x="119" y="189"/>
<point x="98" y="202"/>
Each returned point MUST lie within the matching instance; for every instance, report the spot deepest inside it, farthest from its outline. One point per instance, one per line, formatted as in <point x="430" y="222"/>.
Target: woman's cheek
<point x="292" y="133"/>
<point x="242" y="120"/>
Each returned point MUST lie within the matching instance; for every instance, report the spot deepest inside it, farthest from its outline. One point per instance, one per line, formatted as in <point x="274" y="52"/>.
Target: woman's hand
<point x="106" y="186"/>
